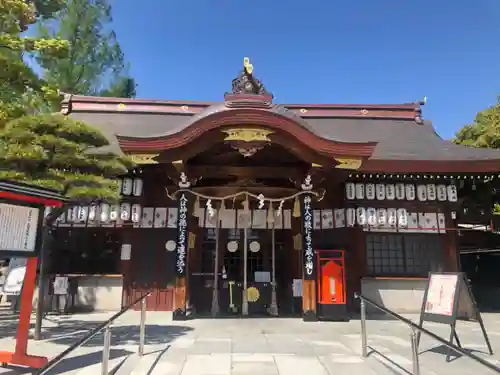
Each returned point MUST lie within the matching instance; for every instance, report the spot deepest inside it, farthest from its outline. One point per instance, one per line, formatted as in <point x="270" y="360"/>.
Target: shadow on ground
<point x="72" y="363"/>
<point x="66" y="333"/>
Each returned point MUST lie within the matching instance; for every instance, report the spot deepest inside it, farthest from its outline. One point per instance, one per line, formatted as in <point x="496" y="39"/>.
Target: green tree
<point x="46" y="150"/>
<point x="95" y="63"/>
<point x="59" y="153"/>
<point x="484" y="132"/>
<point x="22" y="91"/>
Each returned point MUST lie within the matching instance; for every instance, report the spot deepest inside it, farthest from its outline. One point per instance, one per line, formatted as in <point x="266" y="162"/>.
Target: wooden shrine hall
<point x="249" y="207"/>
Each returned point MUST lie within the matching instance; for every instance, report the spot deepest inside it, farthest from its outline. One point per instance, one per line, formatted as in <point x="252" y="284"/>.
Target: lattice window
<point x="404" y="255"/>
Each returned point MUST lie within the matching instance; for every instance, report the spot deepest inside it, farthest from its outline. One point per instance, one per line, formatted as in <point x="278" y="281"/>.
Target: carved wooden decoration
<point x="144" y="158"/>
<point x="348" y="163"/>
<point x="247" y="135"/>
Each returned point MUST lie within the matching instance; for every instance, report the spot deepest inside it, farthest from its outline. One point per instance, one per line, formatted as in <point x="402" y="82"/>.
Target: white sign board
<point x="297" y="287"/>
<point x="441" y="294"/>
<point x="127" y="251"/>
<point x="15" y="276"/>
<point x="61" y="285"/>
<point x="18" y="227"/>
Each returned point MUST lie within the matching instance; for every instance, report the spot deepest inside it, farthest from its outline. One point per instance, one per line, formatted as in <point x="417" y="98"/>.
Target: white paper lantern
<point x="350" y="216"/>
<point x="170" y="245"/>
<point x="392" y="217"/>
<point x="431" y="192"/>
<point x="349" y="191"/>
<point x="74" y="214"/>
<point x="125" y="211"/>
<point x="232" y="246"/>
<point x="422" y="192"/>
<point x="92" y="213"/>
<point x="127" y="186"/>
<point x="410" y="192"/>
<point x="136" y="213"/>
<point x="104" y="211"/>
<point x="137" y="187"/>
<point x="62" y="218"/>
<point x="400" y="191"/>
<point x="382" y="216"/>
<point x="390" y="192"/>
<point x="451" y="191"/>
<point x="370" y="191"/>
<point x="361" y="215"/>
<point x="113" y="212"/>
<point x="402" y="218"/>
<point x="360" y="191"/>
<point x="380" y="191"/>
<point x="441" y="192"/>
<point x="83" y="213"/>
<point x="371" y="215"/>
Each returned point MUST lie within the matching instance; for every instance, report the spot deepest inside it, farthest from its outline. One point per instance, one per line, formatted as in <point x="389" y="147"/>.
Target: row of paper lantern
<point x="132" y="186"/>
<point x="377" y="216"/>
<point x="425" y="192"/>
<point x="103" y="212"/>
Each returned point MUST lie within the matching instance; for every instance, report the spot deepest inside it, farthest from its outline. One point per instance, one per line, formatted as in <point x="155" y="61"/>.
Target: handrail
<point x="58" y="358"/>
<point x="418" y="328"/>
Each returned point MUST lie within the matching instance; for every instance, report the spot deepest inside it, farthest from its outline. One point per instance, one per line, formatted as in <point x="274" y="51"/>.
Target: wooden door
<point x="151" y="269"/>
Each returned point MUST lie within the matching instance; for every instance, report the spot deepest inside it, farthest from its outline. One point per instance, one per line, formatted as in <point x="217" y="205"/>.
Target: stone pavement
<point x="250" y="346"/>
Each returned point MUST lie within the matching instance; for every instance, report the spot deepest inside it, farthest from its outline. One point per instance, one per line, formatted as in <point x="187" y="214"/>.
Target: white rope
<point x="318" y="195"/>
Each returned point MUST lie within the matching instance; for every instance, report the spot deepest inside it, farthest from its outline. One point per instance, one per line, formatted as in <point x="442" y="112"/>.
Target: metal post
<point x="215" y="292"/>
<point x="274" y="302"/>
<point x="364" y="343"/>
<point x="414" y="350"/>
<point x="142" y="327"/>
<point x="244" y="307"/>
<point x="105" y="351"/>
<point x="42" y="280"/>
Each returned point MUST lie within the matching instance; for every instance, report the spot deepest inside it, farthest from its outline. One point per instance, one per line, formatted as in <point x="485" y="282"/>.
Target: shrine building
<point x="249" y="207"/>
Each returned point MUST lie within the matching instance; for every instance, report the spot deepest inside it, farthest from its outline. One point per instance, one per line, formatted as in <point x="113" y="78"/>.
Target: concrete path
<point x="250" y="346"/>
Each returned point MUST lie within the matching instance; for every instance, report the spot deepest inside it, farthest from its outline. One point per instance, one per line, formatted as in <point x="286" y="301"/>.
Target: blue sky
<point x="357" y="51"/>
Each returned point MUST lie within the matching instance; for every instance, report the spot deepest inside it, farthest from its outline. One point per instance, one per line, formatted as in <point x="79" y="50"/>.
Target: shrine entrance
<point x="227" y="271"/>
<point x="246" y="258"/>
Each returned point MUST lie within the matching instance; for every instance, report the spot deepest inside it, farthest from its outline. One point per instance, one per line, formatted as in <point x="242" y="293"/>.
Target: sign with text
<point x="18" y="228"/>
<point x="441" y="294"/>
<point x="307" y="233"/>
<point x="448" y="298"/>
<point x="61" y="285"/>
<point x="182" y="236"/>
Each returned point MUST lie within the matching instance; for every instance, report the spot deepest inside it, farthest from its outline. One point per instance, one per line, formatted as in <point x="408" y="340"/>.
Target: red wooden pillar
<point x="19" y="356"/>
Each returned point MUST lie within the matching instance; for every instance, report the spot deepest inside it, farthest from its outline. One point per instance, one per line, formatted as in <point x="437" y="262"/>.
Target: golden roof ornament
<point x="246" y="83"/>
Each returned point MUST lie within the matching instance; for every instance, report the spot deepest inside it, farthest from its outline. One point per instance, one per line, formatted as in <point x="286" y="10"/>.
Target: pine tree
<point x="95" y="64"/>
<point x="46" y="150"/>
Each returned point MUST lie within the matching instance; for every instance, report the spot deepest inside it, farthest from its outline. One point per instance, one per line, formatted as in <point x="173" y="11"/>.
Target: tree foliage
<point x="22" y="91"/>
<point x="95" y="63"/>
<point x="57" y="152"/>
<point x="46" y="150"/>
<point x="484" y="132"/>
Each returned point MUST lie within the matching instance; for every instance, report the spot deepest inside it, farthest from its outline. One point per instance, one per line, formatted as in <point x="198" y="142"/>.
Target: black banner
<point x="307" y="238"/>
<point x="182" y="236"/>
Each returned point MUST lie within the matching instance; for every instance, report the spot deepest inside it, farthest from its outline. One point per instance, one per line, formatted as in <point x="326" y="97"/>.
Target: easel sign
<point x="448" y="298"/>
<point x="21" y="221"/>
